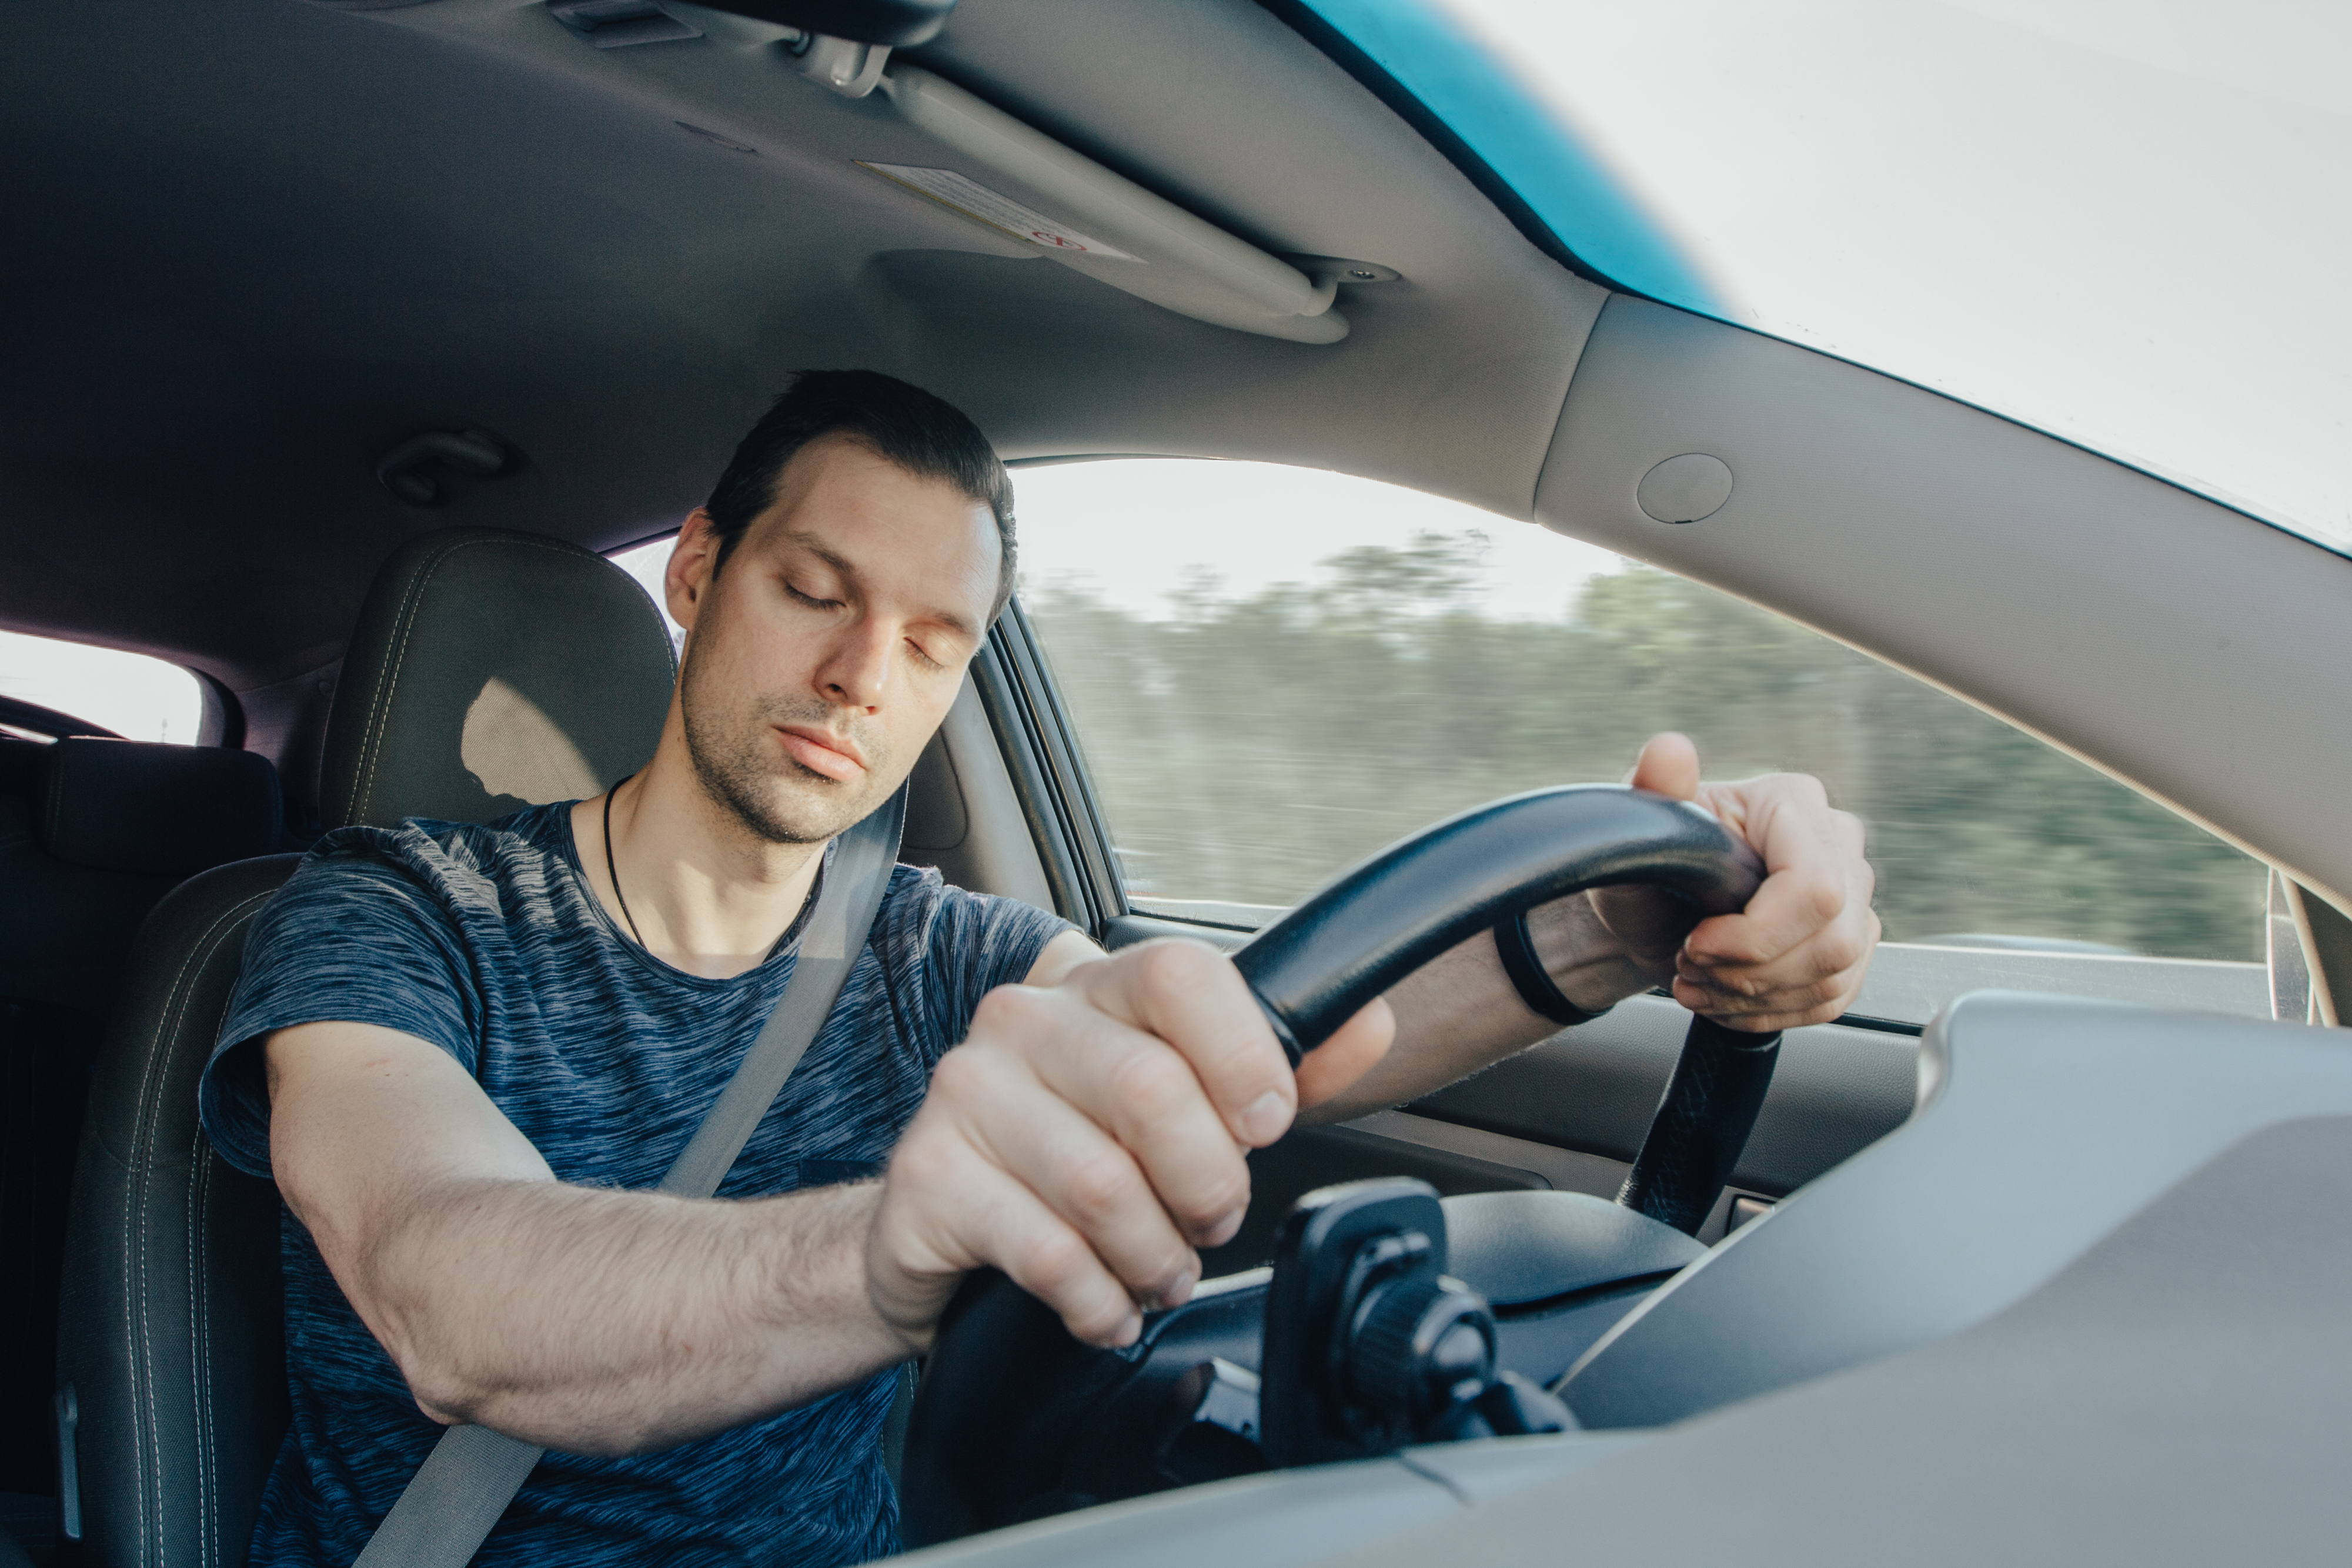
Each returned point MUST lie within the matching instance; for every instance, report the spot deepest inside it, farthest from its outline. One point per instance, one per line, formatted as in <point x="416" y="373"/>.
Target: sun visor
<point x="998" y="171"/>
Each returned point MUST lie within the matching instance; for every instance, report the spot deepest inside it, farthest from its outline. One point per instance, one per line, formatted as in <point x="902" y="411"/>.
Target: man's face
<point x="823" y="656"/>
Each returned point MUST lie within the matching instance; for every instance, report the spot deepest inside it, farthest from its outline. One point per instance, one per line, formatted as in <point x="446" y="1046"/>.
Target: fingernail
<point x="1268" y="1115"/>
<point x="1129" y="1330"/>
<point x="1177" y="1294"/>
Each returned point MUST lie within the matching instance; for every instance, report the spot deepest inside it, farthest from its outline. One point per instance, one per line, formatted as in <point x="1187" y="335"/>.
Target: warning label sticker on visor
<point x="974" y="200"/>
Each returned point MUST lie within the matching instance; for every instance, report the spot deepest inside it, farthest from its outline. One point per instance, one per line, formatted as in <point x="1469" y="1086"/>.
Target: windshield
<point x="2122" y="221"/>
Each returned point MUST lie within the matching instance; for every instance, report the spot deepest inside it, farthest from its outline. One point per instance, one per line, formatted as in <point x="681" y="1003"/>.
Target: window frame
<point x="1049" y="776"/>
<point x="1045" y="757"/>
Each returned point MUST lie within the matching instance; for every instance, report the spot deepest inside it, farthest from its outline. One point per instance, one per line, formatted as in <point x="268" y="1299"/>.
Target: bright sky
<point x="1129" y="529"/>
<point x="137" y="697"/>
<point x="647" y="563"/>
<point x="2125" y="220"/>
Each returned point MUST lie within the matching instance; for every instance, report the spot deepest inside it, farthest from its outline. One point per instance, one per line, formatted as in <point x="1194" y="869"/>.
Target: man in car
<point x="463" y="1052"/>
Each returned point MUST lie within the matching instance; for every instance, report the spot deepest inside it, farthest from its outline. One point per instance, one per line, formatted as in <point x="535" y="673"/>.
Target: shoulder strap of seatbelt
<point x="458" y="1495"/>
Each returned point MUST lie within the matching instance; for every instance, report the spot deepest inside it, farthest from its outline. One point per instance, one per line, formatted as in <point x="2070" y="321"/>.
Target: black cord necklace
<point x="613" y="871"/>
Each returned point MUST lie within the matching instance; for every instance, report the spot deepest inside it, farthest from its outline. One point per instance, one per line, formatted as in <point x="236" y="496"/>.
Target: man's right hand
<point x="1089" y="1135"/>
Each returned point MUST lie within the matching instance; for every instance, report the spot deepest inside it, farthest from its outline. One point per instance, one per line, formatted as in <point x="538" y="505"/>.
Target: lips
<point x="819" y="751"/>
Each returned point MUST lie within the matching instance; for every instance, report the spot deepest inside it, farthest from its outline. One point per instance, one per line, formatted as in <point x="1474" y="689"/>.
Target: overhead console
<point x="1041" y="192"/>
<point x="970" y="157"/>
<point x="1023" y="184"/>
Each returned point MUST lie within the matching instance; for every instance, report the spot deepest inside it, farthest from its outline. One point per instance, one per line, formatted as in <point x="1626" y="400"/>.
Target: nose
<point x="856" y="671"/>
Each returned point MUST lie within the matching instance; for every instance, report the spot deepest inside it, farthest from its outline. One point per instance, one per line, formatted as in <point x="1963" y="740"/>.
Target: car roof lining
<point x="460" y="215"/>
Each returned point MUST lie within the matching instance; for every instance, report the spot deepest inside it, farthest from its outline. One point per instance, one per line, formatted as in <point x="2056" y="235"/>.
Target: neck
<point x="705" y="893"/>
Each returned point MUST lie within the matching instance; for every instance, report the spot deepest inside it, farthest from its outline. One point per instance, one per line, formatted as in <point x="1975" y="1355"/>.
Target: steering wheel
<point x="1017" y="1419"/>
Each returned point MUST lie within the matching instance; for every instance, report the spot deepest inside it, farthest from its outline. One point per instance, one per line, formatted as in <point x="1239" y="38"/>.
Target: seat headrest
<point x="170" y="810"/>
<point x="20" y="766"/>
<point x="491" y="671"/>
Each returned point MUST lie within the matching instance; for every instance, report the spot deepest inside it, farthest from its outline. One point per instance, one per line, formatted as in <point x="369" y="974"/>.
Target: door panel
<point x="1836" y="1090"/>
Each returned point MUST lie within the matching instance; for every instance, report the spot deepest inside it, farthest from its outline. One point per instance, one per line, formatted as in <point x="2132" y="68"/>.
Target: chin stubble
<point x="732" y="759"/>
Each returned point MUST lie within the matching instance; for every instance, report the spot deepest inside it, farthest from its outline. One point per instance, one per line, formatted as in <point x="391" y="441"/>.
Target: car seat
<point x="92" y="833"/>
<point x="489" y="670"/>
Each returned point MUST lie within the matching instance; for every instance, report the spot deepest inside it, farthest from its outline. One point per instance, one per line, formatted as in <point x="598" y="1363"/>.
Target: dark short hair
<point x="903" y="425"/>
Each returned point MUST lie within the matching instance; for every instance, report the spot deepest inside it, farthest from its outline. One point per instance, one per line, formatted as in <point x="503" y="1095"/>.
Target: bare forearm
<point x="1461" y="1012"/>
<point x="600" y="1322"/>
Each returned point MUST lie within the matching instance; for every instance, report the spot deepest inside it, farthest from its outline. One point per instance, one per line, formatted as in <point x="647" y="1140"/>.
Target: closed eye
<point x="811" y="600"/>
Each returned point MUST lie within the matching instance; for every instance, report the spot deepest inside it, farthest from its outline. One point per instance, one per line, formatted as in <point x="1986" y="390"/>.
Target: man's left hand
<point x="1797" y="954"/>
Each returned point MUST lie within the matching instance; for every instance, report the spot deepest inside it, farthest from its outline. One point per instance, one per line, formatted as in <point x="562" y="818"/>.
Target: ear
<point x="685" y="582"/>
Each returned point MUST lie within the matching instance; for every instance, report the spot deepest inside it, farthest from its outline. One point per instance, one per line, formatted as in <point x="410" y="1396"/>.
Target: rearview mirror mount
<point x="895" y="24"/>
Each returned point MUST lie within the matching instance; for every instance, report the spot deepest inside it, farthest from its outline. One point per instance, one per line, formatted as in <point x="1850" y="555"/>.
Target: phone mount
<point x="1370" y="1345"/>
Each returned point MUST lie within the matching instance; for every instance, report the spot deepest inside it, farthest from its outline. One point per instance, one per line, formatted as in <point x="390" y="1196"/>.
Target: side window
<point x="134" y="696"/>
<point x="1273" y="672"/>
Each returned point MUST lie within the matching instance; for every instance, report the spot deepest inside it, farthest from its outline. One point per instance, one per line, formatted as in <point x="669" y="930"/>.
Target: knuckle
<point x="959" y="1074"/>
<point x="1737" y="950"/>
<point x="995" y="1021"/>
<point x="1820" y="994"/>
<point x="1049" y="1260"/>
<point x="1097" y="1187"/>
<point x="1823" y="893"/>
<point x="1795" y="789"/>
<point x="1172" y="977"/>
<point x="1153" y="1085"/>
<point x="994" y="1004"/>
<point x="436" y="1392"/>
<point x="1169" y="970"/>
<point x="922" y="1159"/>
<point x="1227" y="1195"/>
<point x="1007" y="1009"/>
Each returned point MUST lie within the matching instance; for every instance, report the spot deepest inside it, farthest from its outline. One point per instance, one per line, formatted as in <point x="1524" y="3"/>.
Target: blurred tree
<point x="1247" y="747"/>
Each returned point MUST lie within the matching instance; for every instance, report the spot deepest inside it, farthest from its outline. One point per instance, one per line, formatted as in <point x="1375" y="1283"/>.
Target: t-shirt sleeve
<point x="351" y="938"/>
<point x="978" y="941"/>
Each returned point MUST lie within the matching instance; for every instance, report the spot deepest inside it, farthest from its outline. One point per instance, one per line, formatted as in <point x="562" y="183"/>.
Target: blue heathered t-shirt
<point x="487" y="941"/>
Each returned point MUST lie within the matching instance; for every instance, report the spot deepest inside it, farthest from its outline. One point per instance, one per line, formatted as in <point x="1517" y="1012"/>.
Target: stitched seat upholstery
<point x="489" y="670"/>
<point x="92" y="834"/>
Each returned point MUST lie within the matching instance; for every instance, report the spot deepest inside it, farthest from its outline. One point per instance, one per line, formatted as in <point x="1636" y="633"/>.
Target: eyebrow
<point x="954" y="623"/>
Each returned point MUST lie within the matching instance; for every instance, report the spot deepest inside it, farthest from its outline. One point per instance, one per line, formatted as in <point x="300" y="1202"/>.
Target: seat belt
<point x="458" y="1494"/>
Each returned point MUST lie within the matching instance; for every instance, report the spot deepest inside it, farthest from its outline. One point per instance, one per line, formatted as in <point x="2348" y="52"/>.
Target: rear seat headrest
<point x="492" y="670"/>
<point x="20" y="766"/>
<point x="174" y="811"/>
